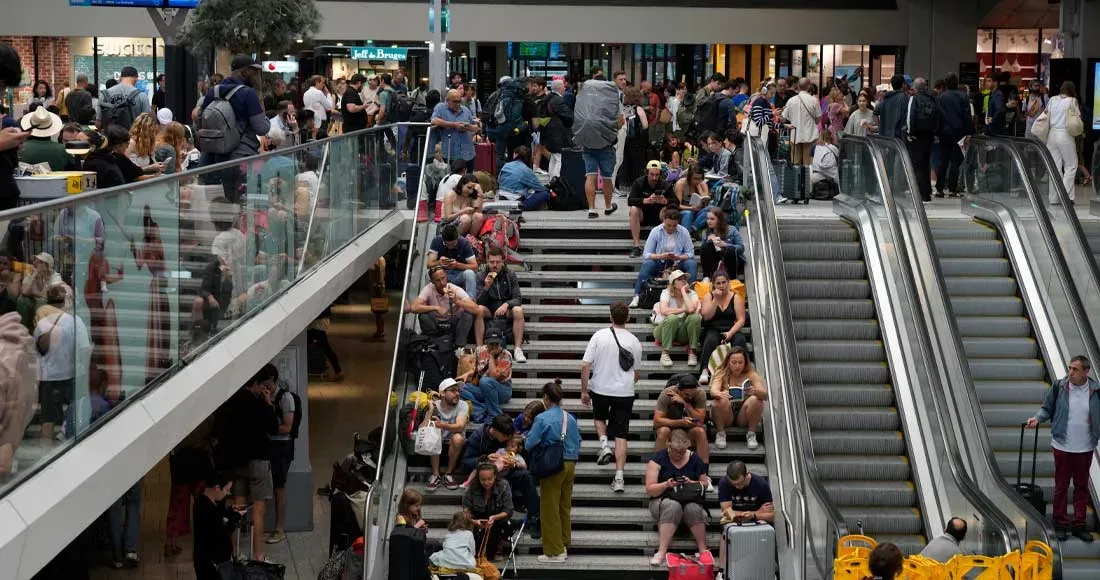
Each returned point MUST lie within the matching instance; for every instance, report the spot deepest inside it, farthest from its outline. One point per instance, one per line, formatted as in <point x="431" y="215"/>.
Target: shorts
<point x="802" y="154"/>
<point x="601" y="160"/>
<point x="54" y="396"/>
<point x="651" y="215"/>
<point x="615" y="411"/>
<point x="254" y="481"/>
<point x="281" y="455"/>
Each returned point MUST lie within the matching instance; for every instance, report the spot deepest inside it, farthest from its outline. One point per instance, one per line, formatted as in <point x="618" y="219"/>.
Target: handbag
<point x="1075" y="126"/>
<point x="547" y="460"/>
<point x="41" y="344"/>
<point x="626" y="358"/>
<point x="486" y="568"/>
<point x="691" y="492"/>
<point x="1040" y="129"/>
<point x="428" y="439"/>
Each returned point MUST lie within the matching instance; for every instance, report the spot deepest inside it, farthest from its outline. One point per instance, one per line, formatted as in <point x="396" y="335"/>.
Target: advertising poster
<point x="1096" y="96"/>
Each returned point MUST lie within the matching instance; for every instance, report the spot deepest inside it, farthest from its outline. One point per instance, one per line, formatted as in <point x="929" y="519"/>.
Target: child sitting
<point x="511" y="450"/>
<point x="459" y="548"/>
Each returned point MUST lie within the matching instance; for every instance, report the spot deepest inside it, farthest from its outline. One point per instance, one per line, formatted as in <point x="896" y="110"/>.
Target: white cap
<point x="448" y="384"/>
<point x="164" y="115"/>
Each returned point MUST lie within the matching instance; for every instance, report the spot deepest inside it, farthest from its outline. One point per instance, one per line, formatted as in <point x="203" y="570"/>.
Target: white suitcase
<point x="750" y="551"/>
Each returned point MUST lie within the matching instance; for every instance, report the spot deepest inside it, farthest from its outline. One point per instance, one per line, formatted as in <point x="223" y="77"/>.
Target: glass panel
<point x="128" y="284"/>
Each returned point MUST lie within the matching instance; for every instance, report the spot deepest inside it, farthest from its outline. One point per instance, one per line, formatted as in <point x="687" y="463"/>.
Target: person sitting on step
<point x="682" y="406"/>
<point x="484" y="442"/>
<point x="490" y="386"/>
<point x="648" y="196"/>
<point x="668" y="471"/>
<point x="500" y="299"/>
<point x="667" y="246"/>
<point x="737" y="391"/>
<point x="462" y="206"/>
<point x="456" y="256"/>
<point x="443" y="308"/>
<point x="677" y="320"/>
<point x="724" y="315"/>
<point x="450" y="414"/>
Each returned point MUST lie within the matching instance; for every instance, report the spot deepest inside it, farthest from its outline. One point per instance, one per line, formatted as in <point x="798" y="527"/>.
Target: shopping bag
<point x="429" y="440"/>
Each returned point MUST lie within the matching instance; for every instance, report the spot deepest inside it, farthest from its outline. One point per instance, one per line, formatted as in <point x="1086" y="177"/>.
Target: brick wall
<point x="54" y="62"/>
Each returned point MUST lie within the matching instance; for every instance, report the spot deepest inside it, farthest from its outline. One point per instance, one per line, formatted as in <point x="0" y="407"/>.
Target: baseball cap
<point x="494" y="337"/>
<point x="653" y="164"/>
<point x="449" y="384"/>
<point x="128" y="71"/>
<point x="688" y="381"/>
<point x="357" y="78"/>
<point x="674" y="275"/>
<point x="243" y="61"/>
<point x="164" y="116"/>
<point x="45" y="258"/>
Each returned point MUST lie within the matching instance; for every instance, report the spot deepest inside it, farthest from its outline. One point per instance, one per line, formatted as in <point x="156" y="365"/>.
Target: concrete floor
<point x="336" y="410"/>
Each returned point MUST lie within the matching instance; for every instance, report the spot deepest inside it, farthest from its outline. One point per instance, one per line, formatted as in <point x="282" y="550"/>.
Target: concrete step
<point x="600" y="540"/>
<point x="572" y="276"/>
<point x="598" y="478"/>
<point x="643" y="388"/>
<point x="533" y="311"/>
<point x="583" y="260"/>
<point x="546" y="365"/>
<point x="607" y="295"/>
<point x="578" y="347"/>
<point x="589" y="244"/>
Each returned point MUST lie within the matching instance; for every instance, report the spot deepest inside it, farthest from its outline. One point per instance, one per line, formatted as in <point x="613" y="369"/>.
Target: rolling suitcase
<point x="791" y="182"/>
<point x="572" y="171"/>
<point x="1032" y="494"/>
<point x="485" y="157"/>
<point x="750" y="551"/>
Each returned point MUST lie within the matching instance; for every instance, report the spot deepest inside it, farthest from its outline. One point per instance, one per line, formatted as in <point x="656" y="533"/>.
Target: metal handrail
<point x="798" y="424"/>
<point x="368" y="529"/>
<point x="931" y="351"/>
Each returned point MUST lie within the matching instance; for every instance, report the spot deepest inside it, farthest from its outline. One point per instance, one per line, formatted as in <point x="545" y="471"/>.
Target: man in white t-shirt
<point x="317" y="100"/>
<point x="450" y="414"/>
<point x="612" y="397"/>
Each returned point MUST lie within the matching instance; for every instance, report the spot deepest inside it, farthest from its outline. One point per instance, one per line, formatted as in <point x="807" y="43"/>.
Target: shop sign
<point x="280" y="66"/>
<point x="378" y="53"/>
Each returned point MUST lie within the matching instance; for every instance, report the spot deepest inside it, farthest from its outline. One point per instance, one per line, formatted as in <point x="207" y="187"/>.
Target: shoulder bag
<point x="42" y="343"/>
<point x="547" y="460"/>
<point x="626" y="358"/>
<point x="1040" y="128"/>
<point x="1075" y="126"/>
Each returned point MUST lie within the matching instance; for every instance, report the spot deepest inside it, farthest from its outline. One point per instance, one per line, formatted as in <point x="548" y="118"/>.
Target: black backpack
<point x="402" y="105"/>
<point x="706" y="115"/>
<point x="118" y="109"/>
<point x="297" y="410"/>
<point x="923" y="115"/>
<point x="563" y="198"/>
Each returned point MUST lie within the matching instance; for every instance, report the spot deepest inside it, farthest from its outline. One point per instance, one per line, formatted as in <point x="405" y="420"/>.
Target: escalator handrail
<point x="936" y="354"/>
<point x="801" y="444"/>
<point x="368" y="528"/>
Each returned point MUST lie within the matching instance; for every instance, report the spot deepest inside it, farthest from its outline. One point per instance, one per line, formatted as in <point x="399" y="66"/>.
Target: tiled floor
<point x="336" y="411"/>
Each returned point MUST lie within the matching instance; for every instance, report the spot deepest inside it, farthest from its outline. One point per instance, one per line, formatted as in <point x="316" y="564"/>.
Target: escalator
<point x="856" y="432"/>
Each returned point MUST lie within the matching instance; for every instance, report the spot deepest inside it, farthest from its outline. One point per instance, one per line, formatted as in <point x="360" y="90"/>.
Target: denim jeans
<point x="124" y="518"/>
<point x="652" y="268"/>
<point x="487" y="397"/>
<point x="532" y="200"/>
<point x="694" y="220"/>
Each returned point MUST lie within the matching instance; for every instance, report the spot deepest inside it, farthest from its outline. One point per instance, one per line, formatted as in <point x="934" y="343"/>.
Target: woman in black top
<point x="214" y="523"/>
<point x="724" y="316"/>
<point x="102" y="161"/>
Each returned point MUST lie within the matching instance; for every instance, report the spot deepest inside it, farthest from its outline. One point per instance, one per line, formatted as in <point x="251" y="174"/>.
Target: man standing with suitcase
<point x="1073" y="408"/>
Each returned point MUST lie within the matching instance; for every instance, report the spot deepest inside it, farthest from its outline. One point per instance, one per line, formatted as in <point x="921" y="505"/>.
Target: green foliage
<point x="250" y="26"/>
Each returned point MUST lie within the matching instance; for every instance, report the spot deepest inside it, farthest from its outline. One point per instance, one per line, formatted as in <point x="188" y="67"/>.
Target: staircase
<point x="1005" y="360"/>
<point x="858" y="444"/>
<point x="579" y="267"/>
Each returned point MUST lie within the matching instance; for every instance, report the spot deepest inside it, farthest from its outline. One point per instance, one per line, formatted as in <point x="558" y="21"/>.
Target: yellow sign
<point x="75" y="184"/>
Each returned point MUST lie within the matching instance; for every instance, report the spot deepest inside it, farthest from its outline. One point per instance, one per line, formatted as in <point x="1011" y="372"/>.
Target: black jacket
<point x="213" y="526"/>
<point x="956" y="121"/>
<point x="641" y="189"/>
<point x="892" y="114"/>
<point x="243" y="424"/>
<point x="107" y="173"/>
<point x="505" y="289"/>
<point x="556" y="135"/>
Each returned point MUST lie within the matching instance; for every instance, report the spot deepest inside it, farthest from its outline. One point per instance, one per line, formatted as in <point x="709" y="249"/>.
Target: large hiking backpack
<point x="706" y="115"/>
<point x="218" y="131"/>
<point x="502" y="232"/>
<point x="922" y="115"/>
<point x="685" y="115"/>
<point x="505" y="108"/>
<point x="118" y="109"/>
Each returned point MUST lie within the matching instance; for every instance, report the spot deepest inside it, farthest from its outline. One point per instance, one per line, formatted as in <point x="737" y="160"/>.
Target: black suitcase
<point x="1031" y="493"/>
<point x="412" y="186"/>
<point x="572" y="171"/>
<point x="792" y="181"/>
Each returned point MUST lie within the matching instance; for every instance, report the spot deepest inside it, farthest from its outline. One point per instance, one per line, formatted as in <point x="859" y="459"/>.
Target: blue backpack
<point x="505" y="108"/>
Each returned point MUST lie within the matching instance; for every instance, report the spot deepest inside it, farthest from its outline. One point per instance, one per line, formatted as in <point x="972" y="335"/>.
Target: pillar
<point x="941" y="35"/>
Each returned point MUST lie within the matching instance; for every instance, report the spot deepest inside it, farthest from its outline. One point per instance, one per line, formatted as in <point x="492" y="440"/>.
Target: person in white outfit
<point x="1060" y="139"/>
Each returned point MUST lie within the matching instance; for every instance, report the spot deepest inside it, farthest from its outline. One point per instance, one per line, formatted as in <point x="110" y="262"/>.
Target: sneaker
<point x="750" y="438"/>
<point x="433" y="482"/>
<point x="518" y="355"/>
<point x="464" y="485"/>
<point x="693" y="361"/>
<point x="422" y="211"/>
<point x="636" y="252"/>
<point x="611" y="210"/>
<point x="938" y="195"/>
<point x="133" y="561"/>
<point x="592" y="214"/>
<point x="553" y="559"/>
<point x="449" y="482"/>
<point x="666" y="361"/>
<point x="618" y="485"/>
<point x="719" y="576"/>
<point x="1082" y="534"/>
<point x="720" y="440"/>
<point x="782" y="200"/>
<point x="704" y="377"/>
<point x="709" y="489"/>
<point x="633" y="302"/>
<point x="605" y="456"/>
<point x="275" y="537"/>
<point x="1062" y="533"/>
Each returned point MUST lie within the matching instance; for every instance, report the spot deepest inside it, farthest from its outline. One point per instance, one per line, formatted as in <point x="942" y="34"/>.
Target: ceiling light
<point x="286" y="56"/>
<point x="395" y="46"/>
<point x="299" y="40"/>
<point x="267" y="52"/>
<point x="771" y="46"/>
<point x="339" y="44"/>
<point x="603" y="44"/>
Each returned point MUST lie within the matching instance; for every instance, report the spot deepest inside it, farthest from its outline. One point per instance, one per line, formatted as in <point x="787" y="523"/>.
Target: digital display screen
<point x="138" y="3"/>
<point x="1096" y="95"/>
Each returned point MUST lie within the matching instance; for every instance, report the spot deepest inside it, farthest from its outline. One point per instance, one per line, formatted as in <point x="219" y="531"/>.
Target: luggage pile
<point x="1035" y="562"/>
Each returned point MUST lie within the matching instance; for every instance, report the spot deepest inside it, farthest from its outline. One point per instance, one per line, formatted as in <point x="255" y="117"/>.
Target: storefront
<point x="1025" y="53"/>
<point x="861" y="65"/>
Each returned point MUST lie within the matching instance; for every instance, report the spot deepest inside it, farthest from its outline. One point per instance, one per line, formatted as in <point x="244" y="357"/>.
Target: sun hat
<point x="41" y="123"/>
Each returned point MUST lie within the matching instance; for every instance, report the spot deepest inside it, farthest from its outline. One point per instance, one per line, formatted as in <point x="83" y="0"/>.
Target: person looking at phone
<point x="682" y="406"/>
<point x="649" y="195"/>
<point x="214" y="523"/>
<point x="458" y="126"/>
<point x="488" y="501"/>
<point x="743" y="497"/>
<point x="737" y="391"/>
<point x="456" y="256"/>
<point x="462" y="206"/>
<point x="668" y="245"/>
<point x="724" y="315"/>
<point x="674" y="481"/>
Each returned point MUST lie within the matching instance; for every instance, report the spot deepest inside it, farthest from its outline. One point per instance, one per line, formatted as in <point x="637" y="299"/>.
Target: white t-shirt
<point x="67" y="341"/>
<point x="608" y="378"/>
<point x="446" y="186"/>
<point x="316" y="100"/>
<point x="462" y="409"/>
<point x="1058" y="111"/>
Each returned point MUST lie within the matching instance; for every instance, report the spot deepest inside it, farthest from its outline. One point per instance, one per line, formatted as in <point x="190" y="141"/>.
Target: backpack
<point x="922" y="115"/>
<point x="402" y="105"/>
<point x="296" y="425"/>
<point x="685" y="115"/>
<point x="563" y="197"/>
<point x="502" y="232"/>
<point x="505" y="110"/>
<point x="218" y="130"/>
<point x="706" y="115"/>
<point x="118" y="109"/>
